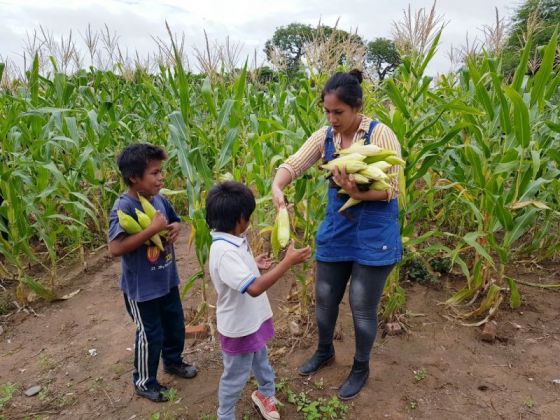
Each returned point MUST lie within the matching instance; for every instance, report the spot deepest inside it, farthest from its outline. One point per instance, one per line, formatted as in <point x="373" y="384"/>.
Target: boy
<point x="149" y="277"/>
<point x="244" y="316"/>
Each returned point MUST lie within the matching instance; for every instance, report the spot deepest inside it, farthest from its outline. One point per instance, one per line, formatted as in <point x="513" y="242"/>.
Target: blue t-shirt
<point x="147" y="272"/>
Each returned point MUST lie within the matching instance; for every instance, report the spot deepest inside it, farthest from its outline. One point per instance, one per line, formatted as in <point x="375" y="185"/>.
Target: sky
<point x="249" y="22"/>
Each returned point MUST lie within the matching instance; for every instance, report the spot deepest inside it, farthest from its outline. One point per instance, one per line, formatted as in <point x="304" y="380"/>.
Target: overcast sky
<point x="251" y="22"/>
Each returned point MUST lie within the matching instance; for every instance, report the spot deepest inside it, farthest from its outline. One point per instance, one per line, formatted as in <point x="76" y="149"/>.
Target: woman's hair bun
<point x="357" y="74"/>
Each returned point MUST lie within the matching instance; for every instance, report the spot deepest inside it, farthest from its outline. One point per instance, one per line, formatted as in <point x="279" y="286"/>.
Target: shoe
<point x="324" y="356"/>
<point x="355" y="381"/>
<point x="184" y="370"/>
<point x="266" y="405"/>
<point x="155" y="394"/>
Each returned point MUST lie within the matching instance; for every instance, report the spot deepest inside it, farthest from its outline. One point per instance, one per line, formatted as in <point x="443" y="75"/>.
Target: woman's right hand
<point x="278" y="198"/>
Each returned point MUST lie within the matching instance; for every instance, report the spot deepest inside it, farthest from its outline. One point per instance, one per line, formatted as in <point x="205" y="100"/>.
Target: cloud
<point x="251" y="22"/>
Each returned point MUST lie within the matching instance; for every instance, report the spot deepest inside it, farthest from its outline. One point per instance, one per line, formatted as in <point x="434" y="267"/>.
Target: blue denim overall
<point x="367" y="233"/>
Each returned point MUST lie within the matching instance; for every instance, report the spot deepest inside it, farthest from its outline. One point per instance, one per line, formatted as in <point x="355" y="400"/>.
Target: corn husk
<point x="128" y="223"/>
<point x="361" y="148"/>
<point x="383" y="165"/>
<point x="373" y="173"/>
<point x="351" y="166"/>
<point x="149" y="210"/>
<point x="144" y="221"/>
<point x="280" y="231"/>
<point x="349" y="203"/>
<point x="383" y="155"/>
<point x="394" y="160"/>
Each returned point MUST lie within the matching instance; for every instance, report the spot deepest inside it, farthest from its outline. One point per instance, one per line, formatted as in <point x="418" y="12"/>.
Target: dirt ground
<point x="80" y="352"/>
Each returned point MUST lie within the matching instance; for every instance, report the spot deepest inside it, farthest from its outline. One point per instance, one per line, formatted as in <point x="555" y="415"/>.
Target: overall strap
<point x="367" y="136"/>
<point x="329" y="148"/>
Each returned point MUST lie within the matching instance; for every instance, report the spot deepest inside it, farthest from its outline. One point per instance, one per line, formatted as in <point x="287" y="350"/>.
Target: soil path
<point x="79" y="352"/>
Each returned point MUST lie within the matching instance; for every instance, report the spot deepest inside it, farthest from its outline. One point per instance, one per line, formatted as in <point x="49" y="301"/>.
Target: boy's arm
<point x="123" y="244"/>
<point x="267" y="280"/>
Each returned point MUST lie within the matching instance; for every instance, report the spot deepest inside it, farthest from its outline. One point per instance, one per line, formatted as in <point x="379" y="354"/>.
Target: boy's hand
<point x="297" y="256"/>
<point x="263" y="262"/>
<point x="159" y="223"/>
<point x="174" y="229"/>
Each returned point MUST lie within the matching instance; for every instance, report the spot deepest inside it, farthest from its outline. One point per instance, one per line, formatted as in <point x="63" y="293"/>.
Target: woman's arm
<point x="297" y="164"/>
<point x="282" y="179"/>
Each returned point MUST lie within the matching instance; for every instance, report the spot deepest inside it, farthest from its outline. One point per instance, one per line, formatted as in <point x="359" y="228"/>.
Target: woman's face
<point x="341" y="116"/>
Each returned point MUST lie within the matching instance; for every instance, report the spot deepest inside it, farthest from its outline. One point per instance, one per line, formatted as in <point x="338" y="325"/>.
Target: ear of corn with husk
<point x="280" y="231"/>
<point x="351" y="165"/>
<point x="368" y="165"/>
<point x="144" y="221"/>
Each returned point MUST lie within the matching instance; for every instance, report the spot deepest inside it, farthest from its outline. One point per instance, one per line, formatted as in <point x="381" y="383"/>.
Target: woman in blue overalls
<point x="362" y="243"/>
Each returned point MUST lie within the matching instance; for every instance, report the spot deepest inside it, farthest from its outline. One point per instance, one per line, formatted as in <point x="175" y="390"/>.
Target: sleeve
<point x="115" y="229"/>
<point x="234" y="272"/>
<point x="384" y="137"/>
<point x="170" y="211"/>
<point x="307" y="154"/>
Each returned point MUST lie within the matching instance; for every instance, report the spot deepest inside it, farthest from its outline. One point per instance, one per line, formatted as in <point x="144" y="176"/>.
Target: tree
<point x="540" y="17"/>
<point x="289" y="40"/>
<point x="382" y="56"/>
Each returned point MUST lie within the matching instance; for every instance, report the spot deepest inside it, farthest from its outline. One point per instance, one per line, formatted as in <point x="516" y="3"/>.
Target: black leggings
<point x="366" y="289"/>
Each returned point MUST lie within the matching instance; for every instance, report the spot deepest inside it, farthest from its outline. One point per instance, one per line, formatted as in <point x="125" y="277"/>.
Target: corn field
<point x="481" y="185"/>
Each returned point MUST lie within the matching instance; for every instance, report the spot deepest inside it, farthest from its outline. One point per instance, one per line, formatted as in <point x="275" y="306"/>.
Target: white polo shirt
<point x="232" y="270"/>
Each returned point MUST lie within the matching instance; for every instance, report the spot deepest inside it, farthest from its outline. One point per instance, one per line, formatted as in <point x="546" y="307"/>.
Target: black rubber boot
<point x="355" y="381"/>
<point x="324" y="356"/>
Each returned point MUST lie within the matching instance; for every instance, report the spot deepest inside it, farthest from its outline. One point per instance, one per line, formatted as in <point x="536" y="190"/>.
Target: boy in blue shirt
<point x="149" y="277"/>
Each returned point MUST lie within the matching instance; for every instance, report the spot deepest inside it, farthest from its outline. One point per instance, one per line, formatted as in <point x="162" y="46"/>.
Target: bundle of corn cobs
<point x="368" y="165"/>
<point x="132" y="226"/>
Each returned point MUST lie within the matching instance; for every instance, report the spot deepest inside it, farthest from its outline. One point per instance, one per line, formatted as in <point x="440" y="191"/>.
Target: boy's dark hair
<point x="346" y="87"/>
<point x="134" y="159"/>
<point x="228" y="203"/>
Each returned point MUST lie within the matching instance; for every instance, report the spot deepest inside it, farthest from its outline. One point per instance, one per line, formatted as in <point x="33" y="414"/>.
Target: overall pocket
<point x="378" y="232"/>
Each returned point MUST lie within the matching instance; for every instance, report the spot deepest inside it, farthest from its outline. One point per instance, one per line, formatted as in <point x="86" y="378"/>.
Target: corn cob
<point x="360" y="179"/>
<point x="283" y="226"/>
<point x="379" y="186"/>
<point x="349" y="203"/>
<point x="394" y="160"/>
<point x="383" y="165"/>
<point x="144" y="221"/>
<point x="373" y="173"/>
<point x="351" y="166"/>
<point x="128" y="223"/>
<point x="363" y="149"/>
<point x="150" y="211"/>
<point x="349" y="156"/>
<point x="382" y="155"/>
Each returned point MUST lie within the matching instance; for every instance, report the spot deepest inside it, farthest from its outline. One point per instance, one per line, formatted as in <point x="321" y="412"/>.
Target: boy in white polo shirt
<point x="244" y="316"/>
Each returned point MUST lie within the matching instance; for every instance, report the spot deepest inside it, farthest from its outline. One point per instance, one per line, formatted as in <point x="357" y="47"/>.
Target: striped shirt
<point x="314" y="149"/>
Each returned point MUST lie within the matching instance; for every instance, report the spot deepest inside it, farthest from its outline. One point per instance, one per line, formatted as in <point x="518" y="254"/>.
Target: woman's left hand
<point x="346" y="182"/>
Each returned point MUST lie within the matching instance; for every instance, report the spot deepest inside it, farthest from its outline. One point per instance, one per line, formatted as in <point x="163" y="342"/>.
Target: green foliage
<point x="383" y="57"/>
<point x="6" y="393"/>
<point x="547" y="13"/>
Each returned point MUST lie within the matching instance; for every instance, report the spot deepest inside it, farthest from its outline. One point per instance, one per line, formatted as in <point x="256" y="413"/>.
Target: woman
<point x="362" y="243"/>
